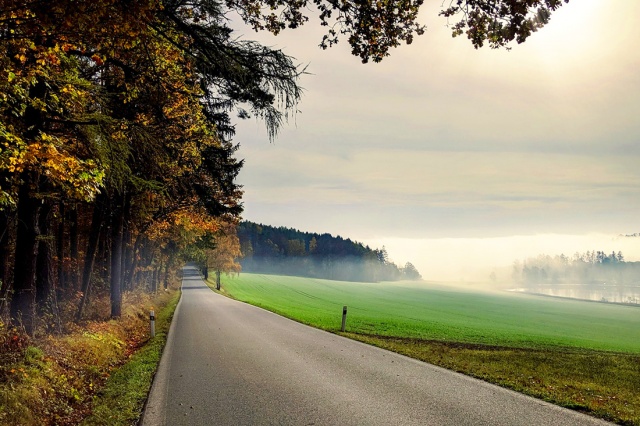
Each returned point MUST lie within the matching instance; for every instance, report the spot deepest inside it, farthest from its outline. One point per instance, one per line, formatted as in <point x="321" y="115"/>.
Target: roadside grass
<point x="580" y="355"/>
<point x="602" y="384"/>
<point x="121" y="400"/>
<point x="54" y="380"/>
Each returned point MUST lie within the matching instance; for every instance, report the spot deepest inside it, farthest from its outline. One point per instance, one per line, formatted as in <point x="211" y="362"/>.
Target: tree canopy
<point x="372" y="28"/>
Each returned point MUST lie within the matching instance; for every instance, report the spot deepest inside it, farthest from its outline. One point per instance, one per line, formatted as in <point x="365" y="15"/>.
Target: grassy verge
<point x="101" y="366"/>
<point x="125" y="392"/>
<point x="603" y="384"/>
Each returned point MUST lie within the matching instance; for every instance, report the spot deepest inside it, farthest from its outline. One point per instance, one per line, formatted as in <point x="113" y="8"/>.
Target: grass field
<point x="579" y="355"/>
<point x="437" y="312"/>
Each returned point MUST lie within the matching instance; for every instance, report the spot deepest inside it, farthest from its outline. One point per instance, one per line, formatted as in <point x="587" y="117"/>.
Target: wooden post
<point x="344" y="318"/>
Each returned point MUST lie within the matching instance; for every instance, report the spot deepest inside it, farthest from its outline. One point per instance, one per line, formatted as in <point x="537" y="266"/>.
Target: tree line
<point x="288" y="251"/>
<point x="115" y="143"/>
<point x="589" y="268"/>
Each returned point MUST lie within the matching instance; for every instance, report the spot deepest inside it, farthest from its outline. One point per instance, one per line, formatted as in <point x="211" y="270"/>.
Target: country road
<point x="229" y="363"/>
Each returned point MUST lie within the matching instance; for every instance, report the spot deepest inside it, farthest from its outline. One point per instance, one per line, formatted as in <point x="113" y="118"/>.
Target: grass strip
<point x="602" y="384"/>
<point x="121" y="400"/>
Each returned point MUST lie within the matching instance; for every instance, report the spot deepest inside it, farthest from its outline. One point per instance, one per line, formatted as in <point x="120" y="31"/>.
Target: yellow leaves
<point x="144" y="119"/>
<point x="48" y="155"/>
<point x="66" y="47"/>
<point x="184" y="226"/>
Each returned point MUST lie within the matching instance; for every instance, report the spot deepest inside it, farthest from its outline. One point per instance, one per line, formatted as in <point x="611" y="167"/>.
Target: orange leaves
<point x="222" y="257"/>
<point x="183" y="226"/>
<point x="97" y="59"/>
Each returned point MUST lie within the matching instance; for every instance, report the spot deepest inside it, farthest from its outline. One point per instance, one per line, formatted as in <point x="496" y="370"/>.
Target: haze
<point x="462" y="160"/>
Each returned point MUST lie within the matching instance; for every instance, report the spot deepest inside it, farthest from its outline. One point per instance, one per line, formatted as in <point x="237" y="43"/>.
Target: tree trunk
<point x="133" y="264"/>
<point x="154" y="281"/>
<point x="26" y="252"/>
<point x="205" y="272"/>
<point x="24" y="291"/>
<point x="116" y="257"/>
<point x="217" y="280"/>
<point x="90" y="254"/>
<point x="104" y="251"/>
<point x="44" y="263"/>
<point x="127" y="257"/>
<point x="46" y="295"/>
<point x="6" y="223"/>
<point x="166" y="273"/>
<point x="60" y="248"/>
<point x="73" y="243"/>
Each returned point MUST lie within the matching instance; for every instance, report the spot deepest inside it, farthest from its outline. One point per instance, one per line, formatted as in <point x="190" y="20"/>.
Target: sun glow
<point x="578" y="30"/>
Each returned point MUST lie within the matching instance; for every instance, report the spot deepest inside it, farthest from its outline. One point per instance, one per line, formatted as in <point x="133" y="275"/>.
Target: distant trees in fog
<point x="590" y="267"/>
<point x="410" y="272"/>
<point x="288" y="251"/>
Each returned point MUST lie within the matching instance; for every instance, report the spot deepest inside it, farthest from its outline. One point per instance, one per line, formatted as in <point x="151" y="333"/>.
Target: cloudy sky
<point x="458" y="159"/>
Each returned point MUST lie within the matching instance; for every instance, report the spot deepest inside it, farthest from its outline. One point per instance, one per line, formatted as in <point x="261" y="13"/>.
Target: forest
<point x="589" y="268"/>
<point x="287" y="251"/>
<point x="115" y="147"/>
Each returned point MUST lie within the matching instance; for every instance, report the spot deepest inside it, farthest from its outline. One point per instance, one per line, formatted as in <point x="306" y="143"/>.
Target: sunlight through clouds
<point x="442" y="140"/>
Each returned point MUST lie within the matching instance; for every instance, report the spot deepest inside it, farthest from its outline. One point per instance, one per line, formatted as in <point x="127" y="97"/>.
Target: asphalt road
<point x="229" y="363"/>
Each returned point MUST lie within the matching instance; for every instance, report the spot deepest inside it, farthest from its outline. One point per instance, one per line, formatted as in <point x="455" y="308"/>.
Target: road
<point x="229" y="363"/>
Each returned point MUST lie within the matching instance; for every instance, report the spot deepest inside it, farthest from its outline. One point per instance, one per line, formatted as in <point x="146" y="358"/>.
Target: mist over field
<point x="458" y="160"/>
<point x="474" y="259"/>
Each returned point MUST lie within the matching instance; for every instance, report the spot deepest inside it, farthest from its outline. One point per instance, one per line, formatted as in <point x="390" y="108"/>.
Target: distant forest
<point x="287" y="251"/>
<point x="592" y="267"/>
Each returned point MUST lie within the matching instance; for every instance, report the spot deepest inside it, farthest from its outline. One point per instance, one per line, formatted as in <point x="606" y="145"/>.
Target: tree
<point x="295" y="248"/>
<point x="373" y="28"/>
<point x="224" y="253"/>
<point x="313" y="245"/>
<point x="96" y="102"/>
<point x="410" y="272"/>
<point x="383" y="256"/>
<point x="499" y="22"/>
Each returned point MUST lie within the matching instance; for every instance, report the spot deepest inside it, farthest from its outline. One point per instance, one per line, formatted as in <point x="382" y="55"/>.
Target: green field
<point x="580" y="355"/>
<point x="431" y="311"/>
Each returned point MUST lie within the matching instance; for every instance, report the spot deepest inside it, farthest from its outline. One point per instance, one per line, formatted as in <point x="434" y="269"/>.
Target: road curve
<point x="229" y="363"/>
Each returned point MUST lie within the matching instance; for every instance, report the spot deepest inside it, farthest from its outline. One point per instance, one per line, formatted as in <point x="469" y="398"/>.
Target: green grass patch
<point x="435" y="312"/>
<point x="121" y="400"/>
<point x="576" y="354"/>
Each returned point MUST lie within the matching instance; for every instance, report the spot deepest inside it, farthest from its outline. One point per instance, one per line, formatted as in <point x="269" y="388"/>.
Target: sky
<point x="461" y="160"/>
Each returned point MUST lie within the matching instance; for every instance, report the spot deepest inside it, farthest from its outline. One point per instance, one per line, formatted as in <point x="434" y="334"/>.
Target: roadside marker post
<point x="344" y="318"/>
<point x="152" y="318"/>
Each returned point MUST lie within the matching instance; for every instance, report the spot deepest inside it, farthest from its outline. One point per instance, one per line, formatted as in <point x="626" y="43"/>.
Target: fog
<point x="458" y="160"/>
<point x="474" y="259"/>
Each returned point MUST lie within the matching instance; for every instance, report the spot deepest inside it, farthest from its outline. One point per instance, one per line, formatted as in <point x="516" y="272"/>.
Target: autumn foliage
<point x="115" y="149"/>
